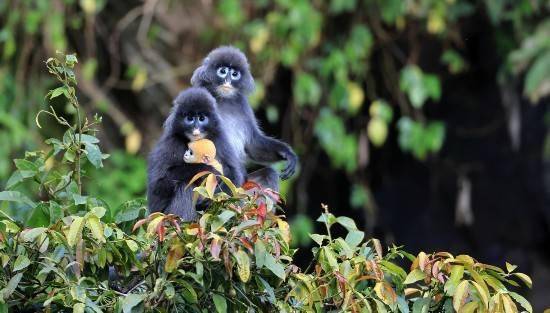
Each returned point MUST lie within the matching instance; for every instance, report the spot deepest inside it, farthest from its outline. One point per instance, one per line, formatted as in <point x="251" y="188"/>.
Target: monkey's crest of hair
<point x="204" y="75"/>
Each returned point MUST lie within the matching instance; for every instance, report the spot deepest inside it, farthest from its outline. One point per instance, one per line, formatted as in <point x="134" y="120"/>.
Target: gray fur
<point x="238" y="119"/>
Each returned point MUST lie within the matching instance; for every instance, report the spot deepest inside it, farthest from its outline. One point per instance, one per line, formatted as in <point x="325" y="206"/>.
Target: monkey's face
<point x="227" y="81"/>
<point x="196" y="125"/>
<point x="225" y="73"/>
<point x="189" y="157"/>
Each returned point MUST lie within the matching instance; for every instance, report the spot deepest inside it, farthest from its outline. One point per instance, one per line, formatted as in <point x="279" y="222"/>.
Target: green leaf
<point x="260" y="253"/>
<point x="522" y="301"/>
<point x="12" y="285"/>
<point x="78" y="199"/>
<point x="307" y="90"/>
<point x="354" y="238"/>
<point x="421" y="305"/>
<point x="221" y="219"/>
<point x="318" y="238"/>
<point x="16" y="196"/>
<point x="26" y="168"/>
<point x="79" y="308"/>
<point x="347" y="222"/>
<point x="220" y="303"/>
<point x="189" y="293"/>
<point x="130" y="301"/>
<point x="457" y="271"/>
<point x="93" y="154"/>
<point x="414" y="276"/>
<point x="32" y="234"/>
<point x="21" y="262"/>
<point x="537" y="81"/>
<point x="275" y="267"/>
<point x="394" y="269"/>
<point x="75" y="231"/>
<point x="70" y="59"/>
<point x="58" y="91"/>
<point x="327" y="218"/>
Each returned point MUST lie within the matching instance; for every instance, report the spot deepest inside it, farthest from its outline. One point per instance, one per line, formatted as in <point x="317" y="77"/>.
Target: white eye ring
<point x="235" y="75"/>
<point x="222" y="71"/>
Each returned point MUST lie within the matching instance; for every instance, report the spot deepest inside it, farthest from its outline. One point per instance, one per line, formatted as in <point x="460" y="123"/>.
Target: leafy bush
<point x="77" y="253"/>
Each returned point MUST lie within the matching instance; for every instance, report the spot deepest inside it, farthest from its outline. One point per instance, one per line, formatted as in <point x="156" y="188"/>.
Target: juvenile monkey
<point x="202" y="151"/>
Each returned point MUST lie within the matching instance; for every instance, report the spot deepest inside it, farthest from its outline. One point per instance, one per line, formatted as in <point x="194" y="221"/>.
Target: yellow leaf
<point x="139" y="80"/>
<point x="243" y="265"/>
<point x="422" y="260"/>
<point x="377" y="131"/>
<point x="285" y="230"/>
<point x="133" y="141"/>
<point x="469" y="307"/>
<point x="385" y="292"/>
<point x="356" y="96"/>
<point x="211" y="184"/>
<point x="509" y="305"/>
<point x="258" y="41"/>
<point x="132" y="245"/>
<point x="152" y="227"/>
<point x="75" y="231"/>
<point x="483" y="294"/>
<point x="436" y="23"/>
<point x="461" y="293"/>
<point x="95" y="226"/>
<point x="174" y="254"/>
<point x="526" y="279"/>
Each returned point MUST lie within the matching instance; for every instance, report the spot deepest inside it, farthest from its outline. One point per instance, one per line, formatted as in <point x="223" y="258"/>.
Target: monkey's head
<point x="225" y="73"/>
<point x="200" y="151"/>
<point x="194" y="115"/>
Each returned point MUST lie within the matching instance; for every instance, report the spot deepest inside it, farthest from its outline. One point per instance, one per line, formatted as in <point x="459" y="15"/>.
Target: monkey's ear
<point x="169" y="123"/>
<point x="205" y="159"/>
<point x="249" y="85"/>
<point x="200" y="74"/>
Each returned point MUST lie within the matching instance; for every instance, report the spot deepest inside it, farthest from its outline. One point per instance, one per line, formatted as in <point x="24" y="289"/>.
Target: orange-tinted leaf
<point x="161" y="230"/>
<point x="262" y="212"/>
<point x="422" y="260"/>
<point x="248" y="185"/>
<point x="174" y="254"/>
<point x="139" y="223"/>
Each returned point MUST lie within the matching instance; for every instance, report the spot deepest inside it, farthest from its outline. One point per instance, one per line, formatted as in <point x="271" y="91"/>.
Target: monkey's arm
<point x="264" y="149"/>
<point x="167" y="185"/>
<point x="232" y="168"/>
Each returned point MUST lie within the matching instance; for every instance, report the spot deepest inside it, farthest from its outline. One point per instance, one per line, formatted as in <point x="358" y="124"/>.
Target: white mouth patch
<point x="225" y="90"/>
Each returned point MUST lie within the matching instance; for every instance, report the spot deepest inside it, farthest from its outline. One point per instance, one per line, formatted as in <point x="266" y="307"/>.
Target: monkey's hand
<point x="291" y="162"/>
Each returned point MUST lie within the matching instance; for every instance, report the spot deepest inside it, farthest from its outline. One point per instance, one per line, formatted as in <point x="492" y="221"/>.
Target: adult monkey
<point x="226" y="75"/>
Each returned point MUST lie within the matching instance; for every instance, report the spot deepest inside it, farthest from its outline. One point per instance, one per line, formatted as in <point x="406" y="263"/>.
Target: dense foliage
<point x="359" y="72"/>
<point x="78" y="253"/>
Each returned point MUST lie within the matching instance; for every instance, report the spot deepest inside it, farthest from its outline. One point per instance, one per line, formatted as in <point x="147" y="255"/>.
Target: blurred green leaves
<point x="420" y="139"/>
<point x="419" y="86"/>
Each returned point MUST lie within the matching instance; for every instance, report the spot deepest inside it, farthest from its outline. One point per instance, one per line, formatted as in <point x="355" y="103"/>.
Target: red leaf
<point x="273" y="195"/>
<point x="161" y="230"/>
<point x="250" y="185"/>
<point x="177" y="226"/>
<point x="341" y="282"/>
<point x="247" y="244"/>
<point x="262" y="212"/>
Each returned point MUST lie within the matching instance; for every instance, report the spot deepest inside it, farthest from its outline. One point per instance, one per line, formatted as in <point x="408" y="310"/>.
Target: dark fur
<point x="168" y="174"/>
<point x="238" y="119"/>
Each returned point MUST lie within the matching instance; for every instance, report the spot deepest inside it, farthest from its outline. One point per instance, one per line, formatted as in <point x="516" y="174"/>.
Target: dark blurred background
<point x="426" y="121"/>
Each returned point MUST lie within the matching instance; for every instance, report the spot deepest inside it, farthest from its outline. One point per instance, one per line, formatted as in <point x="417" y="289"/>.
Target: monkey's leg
<point x="266" y="177"/>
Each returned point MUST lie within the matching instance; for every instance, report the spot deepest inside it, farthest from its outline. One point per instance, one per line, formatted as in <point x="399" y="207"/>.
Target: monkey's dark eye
<point x="235" y="75"/>
<point x="203" y="119"/>
<point x="222" y="71"/>
<point x="189" y="119"/>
